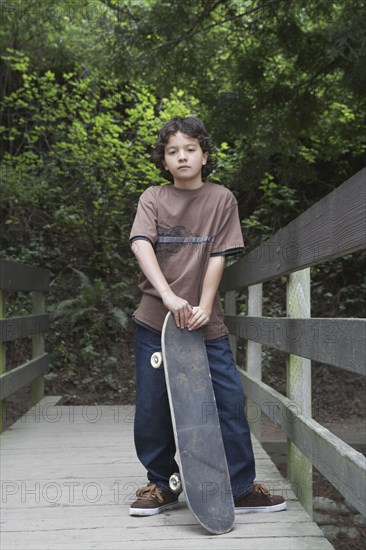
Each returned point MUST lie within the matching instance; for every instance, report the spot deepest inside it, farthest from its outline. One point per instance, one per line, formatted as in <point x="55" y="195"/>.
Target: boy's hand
<point x="179" y="307"/>
<point x="198" y="319"/>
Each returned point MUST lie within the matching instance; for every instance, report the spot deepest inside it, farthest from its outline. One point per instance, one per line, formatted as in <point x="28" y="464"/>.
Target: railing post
<point x="299" y="388"/>
<point x="230" y="309"/>
<point x="38" y="299"/>
<point x="254" y="358"/>
<point x="2" y="363"/>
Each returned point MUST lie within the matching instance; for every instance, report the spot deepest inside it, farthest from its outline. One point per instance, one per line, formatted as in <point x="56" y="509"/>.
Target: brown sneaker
<point x="259" y="499"/>
<point x="151" y="500"/>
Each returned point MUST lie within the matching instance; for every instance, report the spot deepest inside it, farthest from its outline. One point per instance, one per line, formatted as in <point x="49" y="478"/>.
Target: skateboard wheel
<point x="175" y="483"/>
<point x="156" y="360"/>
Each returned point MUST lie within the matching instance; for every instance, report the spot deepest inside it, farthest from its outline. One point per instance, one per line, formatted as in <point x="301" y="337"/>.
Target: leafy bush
<point x="77" y="157"/>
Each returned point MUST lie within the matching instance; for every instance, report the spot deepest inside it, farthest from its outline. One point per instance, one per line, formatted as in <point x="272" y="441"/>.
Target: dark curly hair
<point x="190" y="126"/>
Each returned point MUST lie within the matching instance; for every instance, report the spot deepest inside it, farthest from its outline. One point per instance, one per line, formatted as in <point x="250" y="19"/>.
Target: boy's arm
<point x="201" y="314"/>
<point x="148" y="262"/>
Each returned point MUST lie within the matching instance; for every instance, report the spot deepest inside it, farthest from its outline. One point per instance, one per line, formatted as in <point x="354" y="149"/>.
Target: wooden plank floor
<point x="68" y="475"/>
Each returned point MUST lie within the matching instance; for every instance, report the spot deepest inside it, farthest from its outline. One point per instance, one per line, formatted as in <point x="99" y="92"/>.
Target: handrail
<point x="331" y="228"/>
<point x="337" y="342"/>
<point x="19" y="277"/>
<point x="22" y="277"/>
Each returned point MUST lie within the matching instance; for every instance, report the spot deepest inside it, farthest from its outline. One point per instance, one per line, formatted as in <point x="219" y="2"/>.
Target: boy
<point x="180" y="237"/>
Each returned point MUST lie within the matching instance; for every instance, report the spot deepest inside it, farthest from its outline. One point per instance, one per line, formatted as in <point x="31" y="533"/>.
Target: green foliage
<point x="88" y="331"/>
<point x="281" y="82"/>
<point x="86" y="143"/>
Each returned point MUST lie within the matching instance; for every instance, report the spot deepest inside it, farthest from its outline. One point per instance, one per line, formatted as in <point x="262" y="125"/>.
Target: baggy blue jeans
<point x="154" y="438"/>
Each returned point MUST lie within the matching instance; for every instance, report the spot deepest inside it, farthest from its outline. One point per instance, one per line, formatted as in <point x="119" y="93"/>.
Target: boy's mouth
<point x="184" y="166"/>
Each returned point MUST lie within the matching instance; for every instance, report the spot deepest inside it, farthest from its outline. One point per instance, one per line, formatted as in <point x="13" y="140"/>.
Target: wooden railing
<point x="331" y="228"/>
<point x="23" y="278"/>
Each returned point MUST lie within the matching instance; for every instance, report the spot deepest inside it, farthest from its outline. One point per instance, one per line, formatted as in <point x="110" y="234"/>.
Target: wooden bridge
<point x="69" y="473"/>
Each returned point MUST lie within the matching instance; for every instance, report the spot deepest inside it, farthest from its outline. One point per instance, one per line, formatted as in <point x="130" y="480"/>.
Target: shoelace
<point x="259" y="488"/>
<point x="149" y="492"/>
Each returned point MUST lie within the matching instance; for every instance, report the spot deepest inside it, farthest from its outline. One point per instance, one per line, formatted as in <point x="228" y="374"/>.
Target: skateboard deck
<point x="201" y="454"/>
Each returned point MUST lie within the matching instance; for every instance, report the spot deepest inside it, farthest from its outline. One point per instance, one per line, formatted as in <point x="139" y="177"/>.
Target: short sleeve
<point x="228" y="238"/>
<point x="145" y="222"/>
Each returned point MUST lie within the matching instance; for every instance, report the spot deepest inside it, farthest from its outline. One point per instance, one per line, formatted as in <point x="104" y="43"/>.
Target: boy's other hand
<point x="198" y="319"/>
<point x="179" y="307"/>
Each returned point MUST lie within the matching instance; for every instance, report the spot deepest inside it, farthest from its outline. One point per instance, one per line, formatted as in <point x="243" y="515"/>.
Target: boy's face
<point x="184" y="158"/>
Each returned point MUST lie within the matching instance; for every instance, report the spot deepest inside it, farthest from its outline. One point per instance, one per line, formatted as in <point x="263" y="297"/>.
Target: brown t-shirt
<point x="185" y="227"/>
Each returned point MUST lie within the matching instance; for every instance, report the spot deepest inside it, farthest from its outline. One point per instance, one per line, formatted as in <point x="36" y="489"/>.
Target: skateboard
<point x="203" y="474"/>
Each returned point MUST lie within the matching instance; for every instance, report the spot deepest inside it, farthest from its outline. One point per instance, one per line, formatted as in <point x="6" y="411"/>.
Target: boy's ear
<point x="205" y="158"/>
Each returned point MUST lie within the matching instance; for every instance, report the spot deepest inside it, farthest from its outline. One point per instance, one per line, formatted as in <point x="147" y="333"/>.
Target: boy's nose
<point x="182" y="155"/>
